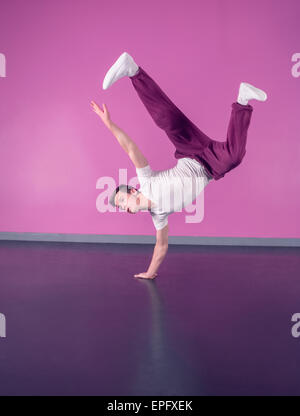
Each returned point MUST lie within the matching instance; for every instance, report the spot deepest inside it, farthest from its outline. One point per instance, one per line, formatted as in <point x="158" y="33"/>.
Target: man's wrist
<point x="150" y="274"/>
<point x="109" y="125"/>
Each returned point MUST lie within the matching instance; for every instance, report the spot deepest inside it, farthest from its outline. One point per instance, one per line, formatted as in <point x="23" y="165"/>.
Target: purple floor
<point x="216" y="321"/>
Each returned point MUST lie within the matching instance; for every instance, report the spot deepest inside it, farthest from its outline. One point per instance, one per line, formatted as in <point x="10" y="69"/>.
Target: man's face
<point x="128" y="202"/>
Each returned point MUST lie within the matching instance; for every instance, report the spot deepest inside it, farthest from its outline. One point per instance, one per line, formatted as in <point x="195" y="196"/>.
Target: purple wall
<point x="55" y="151"/>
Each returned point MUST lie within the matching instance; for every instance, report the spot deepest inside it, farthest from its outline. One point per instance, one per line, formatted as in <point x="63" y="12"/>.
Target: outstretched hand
<point x="146" y="275"/>
<point x="103" y="114"/>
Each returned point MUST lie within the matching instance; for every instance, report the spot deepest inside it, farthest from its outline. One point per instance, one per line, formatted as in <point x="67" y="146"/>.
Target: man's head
<point x="127" y="198"/>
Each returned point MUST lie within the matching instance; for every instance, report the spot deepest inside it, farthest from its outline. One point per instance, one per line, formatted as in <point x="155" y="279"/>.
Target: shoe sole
<point x="262" y="95"/>
<point x="114" y="69"/>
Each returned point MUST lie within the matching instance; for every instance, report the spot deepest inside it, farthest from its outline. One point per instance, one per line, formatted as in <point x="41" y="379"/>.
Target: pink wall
<point x="54" y="149"/>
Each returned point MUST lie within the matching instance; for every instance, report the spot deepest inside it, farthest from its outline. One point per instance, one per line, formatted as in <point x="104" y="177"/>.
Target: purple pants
<point x="217" y="157"/>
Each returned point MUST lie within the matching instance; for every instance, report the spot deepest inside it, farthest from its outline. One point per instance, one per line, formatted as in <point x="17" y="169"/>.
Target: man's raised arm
<point x="124" y="140"/>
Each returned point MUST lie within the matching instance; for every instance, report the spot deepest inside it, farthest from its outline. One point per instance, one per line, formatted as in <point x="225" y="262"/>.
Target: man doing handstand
<point x="200" y="159"/>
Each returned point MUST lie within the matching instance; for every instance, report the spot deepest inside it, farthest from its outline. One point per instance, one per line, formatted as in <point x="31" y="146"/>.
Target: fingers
<point x="97" y="108"/>
<point x="94" y="105"/>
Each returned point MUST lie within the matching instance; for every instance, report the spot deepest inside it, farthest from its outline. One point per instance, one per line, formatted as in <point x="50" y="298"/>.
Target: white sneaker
<point x="124" y="66"/>
<point x="249" y="92"/>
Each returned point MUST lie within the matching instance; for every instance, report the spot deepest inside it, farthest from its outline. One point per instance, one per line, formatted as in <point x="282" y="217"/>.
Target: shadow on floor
<point x="216" y="320"/>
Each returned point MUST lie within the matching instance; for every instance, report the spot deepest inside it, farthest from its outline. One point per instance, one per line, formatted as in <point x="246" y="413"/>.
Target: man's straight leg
<point x="185" y="135"/>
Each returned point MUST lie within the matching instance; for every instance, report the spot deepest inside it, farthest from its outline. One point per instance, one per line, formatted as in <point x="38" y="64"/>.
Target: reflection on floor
<point x="216" y="320"/>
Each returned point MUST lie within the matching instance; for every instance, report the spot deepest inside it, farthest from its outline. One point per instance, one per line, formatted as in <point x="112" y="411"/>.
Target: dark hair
<point x="122" y="188"/>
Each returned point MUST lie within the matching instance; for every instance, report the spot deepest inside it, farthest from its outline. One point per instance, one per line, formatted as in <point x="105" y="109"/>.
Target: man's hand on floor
<point x="146" y="275"/>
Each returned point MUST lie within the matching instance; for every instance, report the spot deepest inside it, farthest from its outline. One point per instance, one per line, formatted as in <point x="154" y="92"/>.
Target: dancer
<point x="200" y="159"/>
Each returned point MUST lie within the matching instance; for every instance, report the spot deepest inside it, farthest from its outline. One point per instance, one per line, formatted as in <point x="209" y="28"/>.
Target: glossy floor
<point x="216" y="320"/>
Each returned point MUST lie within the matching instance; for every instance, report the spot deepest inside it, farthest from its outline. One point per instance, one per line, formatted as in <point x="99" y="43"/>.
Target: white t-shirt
<point x="172" y="189"/>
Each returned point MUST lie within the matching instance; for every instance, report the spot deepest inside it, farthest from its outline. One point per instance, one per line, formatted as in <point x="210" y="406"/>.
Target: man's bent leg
<point x="221" y="157"/>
